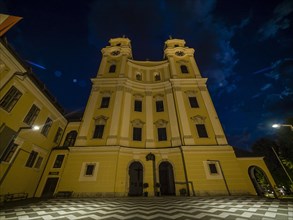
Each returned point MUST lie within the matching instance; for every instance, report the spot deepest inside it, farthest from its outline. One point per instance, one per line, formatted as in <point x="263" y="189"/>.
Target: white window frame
<point x="83" y="176"/>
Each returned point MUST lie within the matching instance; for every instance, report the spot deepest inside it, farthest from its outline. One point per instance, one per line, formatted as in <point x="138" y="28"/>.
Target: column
<point x="173" y="67"/>
<point x="88" y="117"/>
<point x="122" y="69"/>
<point x="115" y="118"/>
<point x="194" y="67"/>
<point x="183" y="119"/>
<point x="217" y="127"/>
<point x="124" y="140"/>
<point x="175" y="136"/>
<point x="149" y="120"/>
<point x="101" y="70"/>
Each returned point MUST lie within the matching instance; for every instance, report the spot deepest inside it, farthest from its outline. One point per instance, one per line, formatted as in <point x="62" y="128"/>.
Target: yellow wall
<point x="116" y="150"/>
<point x="27" y="140"/>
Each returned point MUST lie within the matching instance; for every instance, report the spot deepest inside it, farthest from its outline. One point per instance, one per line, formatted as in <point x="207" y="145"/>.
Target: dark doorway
<point x="50" y="187"/>
<point x="260" y="182"/>
<point x="135" y="179"/>
<point x="166" y="174"/>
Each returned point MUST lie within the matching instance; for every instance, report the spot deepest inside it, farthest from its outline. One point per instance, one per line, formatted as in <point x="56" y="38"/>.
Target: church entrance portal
<point x="167" y="185"/>
<point x="135" y="179"/>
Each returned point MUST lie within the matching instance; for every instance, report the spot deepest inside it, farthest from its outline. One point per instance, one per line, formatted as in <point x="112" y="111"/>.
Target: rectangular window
<point x="31" y="115"/>
<point x="7" y="136"/>
<point x="38" y="163"/>
<point x="99" y="130"/>
<point x="193" y="102"/>
<point x="47" y="127"/>
<point x="159" y="106"/>
<point x="105" y="102"/>
<point x="10" y="150"/>
<point x="184" y="69"/>
<point x="213" y="168"/>
<point x="201" y="130"/>
<point x="10" y="99"/>
<point x="137" y="134"/>
<point x="31" y="159"/>
<point x="162" y="134"/>
<point x="89" y="171"/>
<point x="59" y="160"/>
<point x="58" y="135"/>
<point x="137" y="105"/>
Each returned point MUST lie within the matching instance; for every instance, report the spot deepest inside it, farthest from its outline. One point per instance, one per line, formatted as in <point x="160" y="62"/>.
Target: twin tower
<point x="149" y="128"/>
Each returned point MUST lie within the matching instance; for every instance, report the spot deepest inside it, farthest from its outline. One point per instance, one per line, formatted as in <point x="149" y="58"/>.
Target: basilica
<point x="149" y="129"/>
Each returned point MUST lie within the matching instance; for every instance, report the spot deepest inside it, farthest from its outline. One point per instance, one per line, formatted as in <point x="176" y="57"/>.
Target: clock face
<point x="180" y="53"/>
<point x="115" y="53"/>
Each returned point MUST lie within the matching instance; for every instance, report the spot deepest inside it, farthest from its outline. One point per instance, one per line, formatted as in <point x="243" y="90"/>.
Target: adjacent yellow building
<point x="149" y="128"/>
<point x="24" y="104"/>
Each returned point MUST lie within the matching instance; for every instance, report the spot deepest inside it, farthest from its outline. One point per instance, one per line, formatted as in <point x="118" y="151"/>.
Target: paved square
<point x="207" y="208"/>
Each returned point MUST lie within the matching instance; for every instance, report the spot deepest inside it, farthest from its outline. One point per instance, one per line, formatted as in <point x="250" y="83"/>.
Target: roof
<point x="243" y="153"/>
<point x="41" y="86"/>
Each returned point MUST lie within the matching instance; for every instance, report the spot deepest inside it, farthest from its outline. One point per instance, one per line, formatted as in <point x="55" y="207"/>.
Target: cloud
<point x="244" y="139"/>
<point x="154" y="20"/>
<point x="237" y="107"/>
<point x="256" y="95"/>
<point x="275" y="103"/>
<point x="279" y="21"/>
<point x="266" y="86"/>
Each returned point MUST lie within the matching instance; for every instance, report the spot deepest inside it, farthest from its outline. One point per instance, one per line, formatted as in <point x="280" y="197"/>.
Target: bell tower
<point x="187" y="82"/>
<point x="107" y="92"/>
<point x="114" y="58"/>
<point x="181" y="59"/>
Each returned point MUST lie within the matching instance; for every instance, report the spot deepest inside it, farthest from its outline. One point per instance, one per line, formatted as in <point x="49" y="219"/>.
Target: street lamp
<point x="152" y="157"/>
<point x="282" y="165"/>
<point x="278" y="126"/>
<point x="282" y="125"/>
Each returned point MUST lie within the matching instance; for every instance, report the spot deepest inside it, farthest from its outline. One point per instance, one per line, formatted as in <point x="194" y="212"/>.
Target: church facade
<point x="149" y="128"/>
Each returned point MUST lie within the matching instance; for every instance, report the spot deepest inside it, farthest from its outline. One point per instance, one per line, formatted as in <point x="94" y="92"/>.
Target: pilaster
<point x="87" y="118"/>
<point x="185" y="126"/>
<point x="219" y="133"/>
<point x="124" y="140"/>
<point x="112" y="138"/>
<point x="149" y="120"/>
<point x="175" y="136"/>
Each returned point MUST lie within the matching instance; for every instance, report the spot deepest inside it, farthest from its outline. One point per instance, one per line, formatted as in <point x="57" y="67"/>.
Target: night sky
<point x="245" y="48"/>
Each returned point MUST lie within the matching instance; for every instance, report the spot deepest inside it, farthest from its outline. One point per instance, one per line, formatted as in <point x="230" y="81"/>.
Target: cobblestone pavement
<point x="207" y="208"/>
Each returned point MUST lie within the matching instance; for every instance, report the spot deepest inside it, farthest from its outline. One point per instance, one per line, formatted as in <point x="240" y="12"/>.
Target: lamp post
<point x="278" y="126"/>
<point x="282" y="165"/>
<point x="34" y="128"/>
<point x="282" y="125"/>
<point x="152" y="157"/>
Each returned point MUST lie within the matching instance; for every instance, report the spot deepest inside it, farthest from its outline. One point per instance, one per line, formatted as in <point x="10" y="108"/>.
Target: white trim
<point x="83" y="177"/>
<point x="208" y="173"/>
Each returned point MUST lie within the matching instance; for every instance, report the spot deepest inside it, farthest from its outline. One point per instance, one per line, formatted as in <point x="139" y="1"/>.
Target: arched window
<point x="137" y="125"/>
<point x="100" y="123"/>
<point x="200" y="126"/>
<point x="159" y="103"/>
<point x="112" y="68"/>
<point x="157" y="77"/>
<point x="138" y="76"/>
<point x="161" y="129"/>
<point x="70" y="139"/>
<point x="184" y="69"/>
